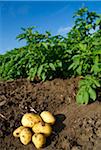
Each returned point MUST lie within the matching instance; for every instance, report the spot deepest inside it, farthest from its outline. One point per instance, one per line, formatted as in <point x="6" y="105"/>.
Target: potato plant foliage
<point x="45" y="56"/>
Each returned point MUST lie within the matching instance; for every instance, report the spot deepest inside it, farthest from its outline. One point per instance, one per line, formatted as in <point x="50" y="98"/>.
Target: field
<point x="58" y="74"/>
<point x="77" y="127"/>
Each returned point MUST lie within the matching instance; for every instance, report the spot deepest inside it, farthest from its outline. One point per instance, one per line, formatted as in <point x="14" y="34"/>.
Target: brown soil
<point x="77" y="127"/>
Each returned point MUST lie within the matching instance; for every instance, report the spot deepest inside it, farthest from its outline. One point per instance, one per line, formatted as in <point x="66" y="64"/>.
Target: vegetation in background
<point x="46" y="57"/>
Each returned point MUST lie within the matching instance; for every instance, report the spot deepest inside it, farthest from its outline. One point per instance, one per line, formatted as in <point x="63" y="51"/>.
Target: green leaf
<point x="92" y="93"/>
<point x="95" y="68"/>
<point x="59" y="63"/>
<point x="52" y="66"/>
<point x="88" y="26"/>
<point x="98" y="21"/>
<point x="79" y="97"/>
<point x="18" y="72"/>
<point x="71" y="66"/>
<point x="43" y="76"/>
<point x="85" y="97"/>
<point x="94" y="81"/>
<point x="82" y="83"/>
<point x="76" y="61"/>
<point x="79" y="70"/>
<point x="97" y="52"/>
<point x="45" y="45"/>
<point x="21" y="36"/>
<point x="82" y="96"/>
<point x="93" y="86"/>
<point x="39" y="70"/>
<point x="97" y="83"/>
<point x="96" y="59"/>
<point x="32" y="73"/>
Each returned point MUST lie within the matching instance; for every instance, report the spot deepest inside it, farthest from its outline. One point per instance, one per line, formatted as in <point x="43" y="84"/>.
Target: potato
<point x="29" y="120"/>
<point x="17" y="131"/>
<point x="47" y="117"/>
<point x="41" y="127"/>
<point x="39" y="140"/>
<point x="25" y="136"/>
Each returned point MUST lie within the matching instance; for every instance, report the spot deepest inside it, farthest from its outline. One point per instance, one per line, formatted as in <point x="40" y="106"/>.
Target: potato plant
<point x="46" y="57"/>
<point x="86" y="91"/>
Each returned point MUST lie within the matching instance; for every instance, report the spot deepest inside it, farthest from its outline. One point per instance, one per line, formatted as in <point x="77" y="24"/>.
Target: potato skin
<point x="17" y="131"/>
<point x="47" y="117"/>
<point x="25" y="136"/>
<point x="39" y="140"/>
<point x="43" y="128"/>
<point x="30" y="119"/>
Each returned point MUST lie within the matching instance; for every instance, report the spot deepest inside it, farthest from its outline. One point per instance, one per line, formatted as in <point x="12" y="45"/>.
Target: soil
<point x="77" y="127"/>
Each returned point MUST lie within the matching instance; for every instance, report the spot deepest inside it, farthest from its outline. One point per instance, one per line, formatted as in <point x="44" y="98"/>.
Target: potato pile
<point x="35" y="128"/>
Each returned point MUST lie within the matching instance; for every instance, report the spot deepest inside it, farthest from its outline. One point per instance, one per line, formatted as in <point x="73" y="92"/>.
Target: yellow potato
<point x="29" y="120"/>
<point x="39" y="140"/>
<point x="17" y="131"/>
<point x="47" y="117"/>
<point x="25" y="136"/>
<point x="44" y="128"/>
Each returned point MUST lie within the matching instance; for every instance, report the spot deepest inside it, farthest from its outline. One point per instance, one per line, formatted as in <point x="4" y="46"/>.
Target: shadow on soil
<point x="57" y="128"/>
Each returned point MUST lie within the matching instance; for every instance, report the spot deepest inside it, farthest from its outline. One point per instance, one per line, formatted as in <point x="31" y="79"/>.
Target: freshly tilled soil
<point x="77" y="127"/>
